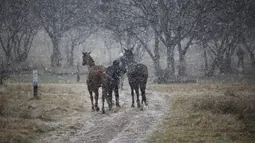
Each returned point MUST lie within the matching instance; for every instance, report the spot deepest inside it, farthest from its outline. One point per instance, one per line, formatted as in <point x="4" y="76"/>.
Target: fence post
<point x="35" y="84"/>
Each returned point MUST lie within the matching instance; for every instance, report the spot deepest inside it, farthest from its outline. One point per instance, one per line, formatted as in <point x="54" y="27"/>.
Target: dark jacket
<point x="114" y="72"/>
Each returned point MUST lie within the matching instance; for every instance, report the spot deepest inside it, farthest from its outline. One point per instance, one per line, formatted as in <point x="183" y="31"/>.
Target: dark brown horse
<point x="137" y="74"/>
<point x="114" y="72"/>
<point x="97" y="77"/>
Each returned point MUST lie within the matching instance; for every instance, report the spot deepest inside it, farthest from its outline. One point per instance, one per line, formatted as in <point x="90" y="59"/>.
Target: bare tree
<point x="59" y="16"/>
<point x="74" y="37"/>
<point x="215" y="25"/>
<point x="172" y="21"/>
<point x="17" y="30"/>
<point x="249" y="44"/>
<point x="132" y="22"/>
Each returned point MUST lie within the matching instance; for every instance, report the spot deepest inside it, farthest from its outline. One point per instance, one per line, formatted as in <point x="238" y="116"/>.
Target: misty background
<point x="174" y="38"/>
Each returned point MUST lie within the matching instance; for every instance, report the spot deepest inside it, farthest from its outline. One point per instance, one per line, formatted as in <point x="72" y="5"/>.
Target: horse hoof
<point x="97" y="109"/>
<point x="133" y="105"/>
<point x="138" y="105"/>
<point x="103" y="112"/>
<point x="141" y="109"/>
<point x="117" y="105"/>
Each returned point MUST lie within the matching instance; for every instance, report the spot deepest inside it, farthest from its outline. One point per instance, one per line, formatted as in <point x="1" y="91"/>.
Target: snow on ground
<point x="121" y="125"/>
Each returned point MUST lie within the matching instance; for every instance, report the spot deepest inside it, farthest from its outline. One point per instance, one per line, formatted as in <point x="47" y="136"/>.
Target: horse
<point x="137" y="74"/>
<point x="122" y="65"/>
<point x="114" y="72"/>
<point x="97" y="77"/>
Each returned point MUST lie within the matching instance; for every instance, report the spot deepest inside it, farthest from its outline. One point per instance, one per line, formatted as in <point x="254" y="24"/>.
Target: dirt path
<point x="124" y="124"/>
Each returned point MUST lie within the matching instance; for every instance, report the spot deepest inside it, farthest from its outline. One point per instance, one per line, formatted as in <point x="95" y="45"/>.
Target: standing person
<point x="123" y="70"/>
<point x="240" y="55"/>
<point x="114" y="73"/>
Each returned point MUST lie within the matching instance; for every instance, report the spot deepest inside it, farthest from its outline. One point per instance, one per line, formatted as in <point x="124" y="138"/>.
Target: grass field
<point x="23" y="119"/>
<point x="209" y="113"/>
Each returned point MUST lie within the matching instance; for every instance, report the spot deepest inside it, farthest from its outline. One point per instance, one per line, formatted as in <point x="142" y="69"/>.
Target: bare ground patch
<point x="209" y="113"/>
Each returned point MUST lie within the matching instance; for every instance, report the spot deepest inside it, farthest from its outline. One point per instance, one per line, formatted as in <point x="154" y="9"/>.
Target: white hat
<point x="121" y="54"/>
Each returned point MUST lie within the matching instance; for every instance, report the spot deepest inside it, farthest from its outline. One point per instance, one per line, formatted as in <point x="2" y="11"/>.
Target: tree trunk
<point x="211" y="71"/>
<point x="170" y="62"/>
<point x="252" y="60"/>
<point x="8" y="59"/>
<point x="2" y="72"/>
<point x="71" y="56"/>
<point x="182" y="67"/>
<point x="78" y="73"/>
<point x="7" y="51"/>
<point x="67" y="51"/>
<point x="227" y="63"/>
<point x="250" y="51"/>
<point x="205" y="60"/>
<point x="156" y="61"/>
<point x="56" y="56"/>
<point x="22" y="46"/>
<point x="220" y="62"/>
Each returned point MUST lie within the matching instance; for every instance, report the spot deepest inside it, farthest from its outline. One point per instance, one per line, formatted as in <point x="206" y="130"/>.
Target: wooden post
<point x="35" y="84"/>
<point x="78" y="73"/>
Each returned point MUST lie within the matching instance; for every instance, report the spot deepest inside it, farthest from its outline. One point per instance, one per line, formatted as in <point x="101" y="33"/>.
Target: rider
<point x="114" y="74"/>
<point x="123" y="69"/>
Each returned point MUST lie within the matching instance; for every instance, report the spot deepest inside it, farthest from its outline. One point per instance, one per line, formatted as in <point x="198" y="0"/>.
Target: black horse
<point x="137" y="74"/>
<point x="113" y="78"/>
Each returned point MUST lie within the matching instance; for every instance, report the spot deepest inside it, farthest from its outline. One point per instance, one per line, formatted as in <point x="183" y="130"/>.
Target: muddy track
<point x="123" y="124"/>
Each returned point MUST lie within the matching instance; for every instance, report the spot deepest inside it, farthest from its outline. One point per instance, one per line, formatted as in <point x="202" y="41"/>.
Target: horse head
<point x="86" y="58"/>
<point x="129" y="56"/>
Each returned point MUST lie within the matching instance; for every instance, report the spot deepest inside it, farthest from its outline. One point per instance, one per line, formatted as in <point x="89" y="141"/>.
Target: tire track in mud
<point x="122" y="125"/>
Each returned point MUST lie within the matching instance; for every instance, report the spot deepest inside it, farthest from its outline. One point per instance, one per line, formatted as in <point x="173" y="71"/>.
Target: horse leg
<point x="109" y="99"/>
<point x="116" y="93"/>
<point x="104" y="94"/>
<point x="91" y="99"/>
<point x="143" y="88"/>
<point x="137" y="96"/>
<point x="132" y="94"/>
<point x="96" y="98"/>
